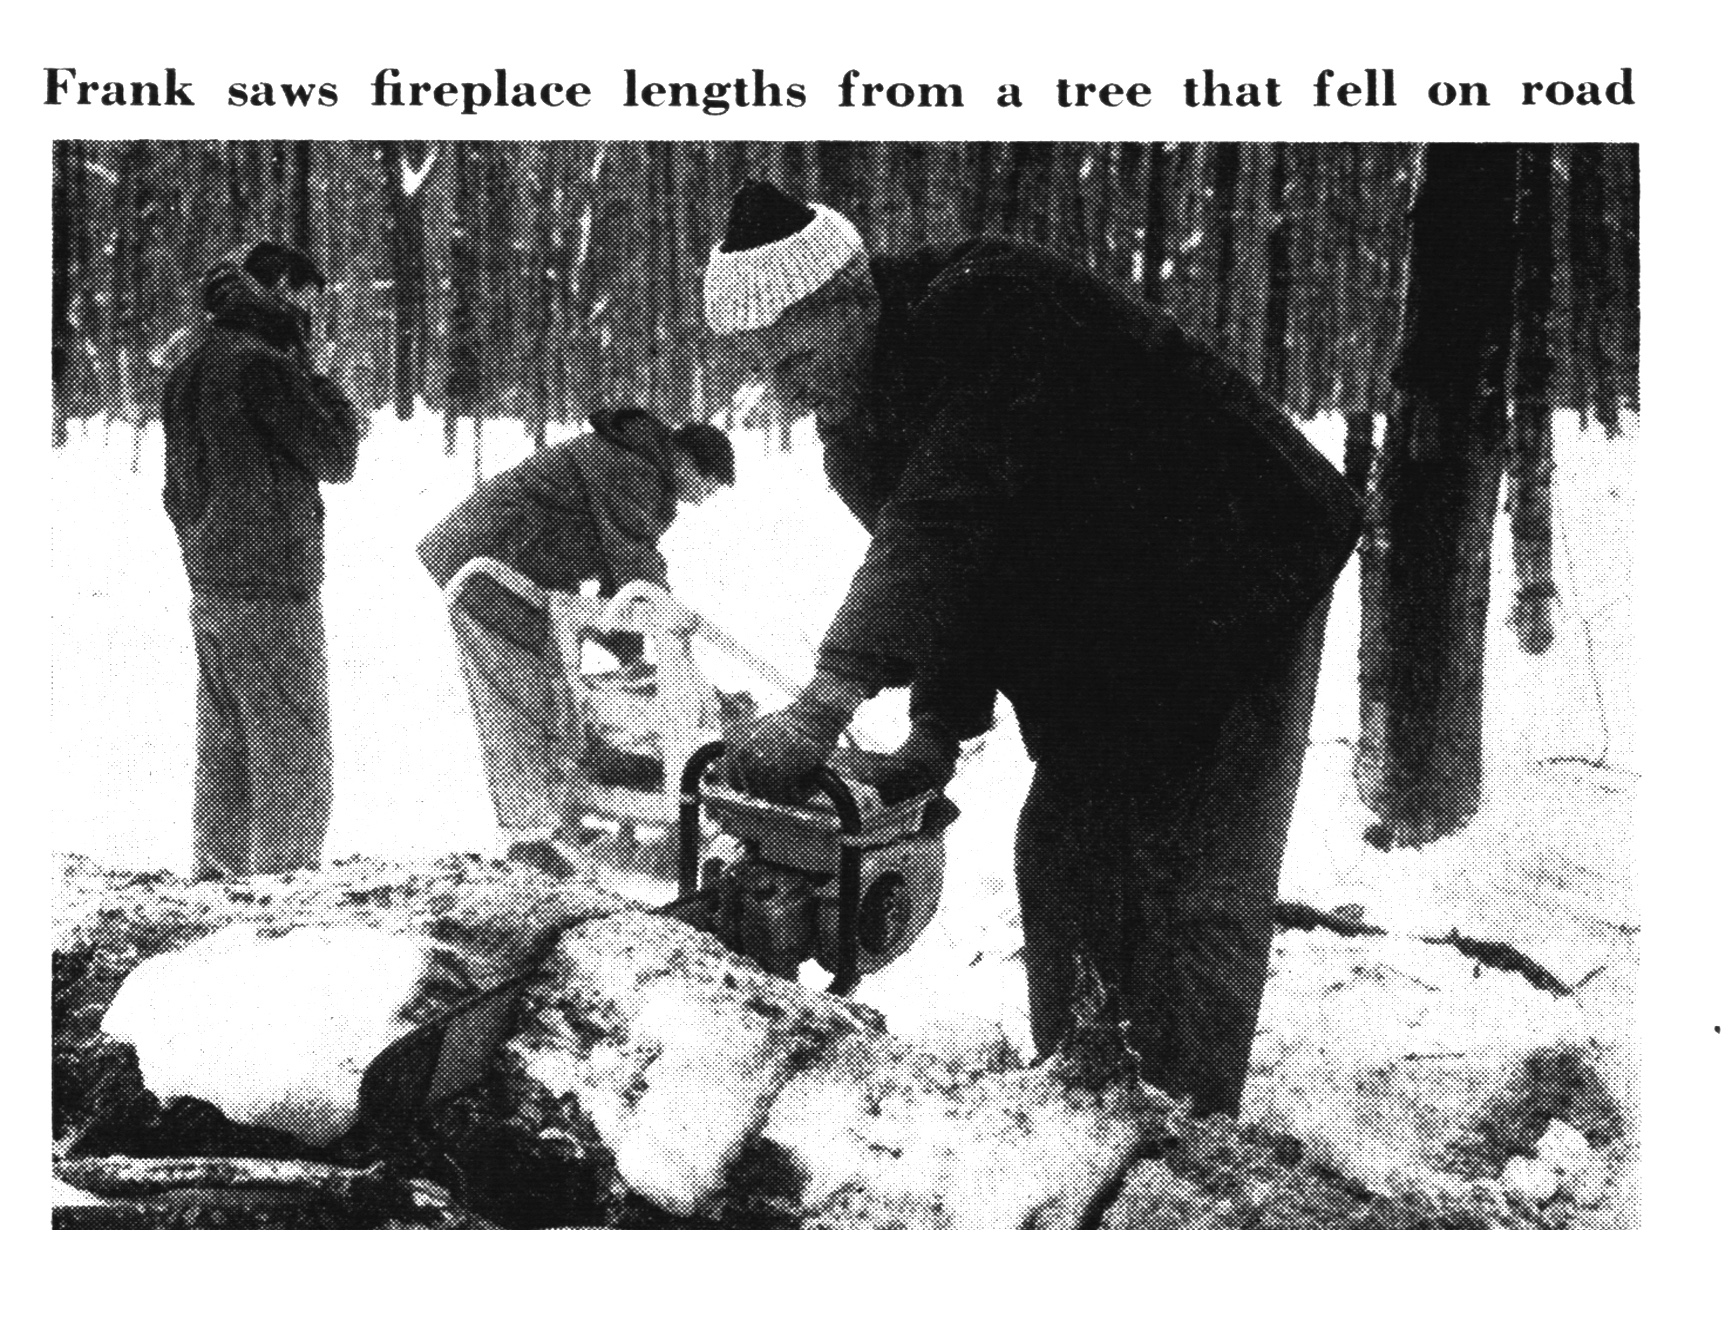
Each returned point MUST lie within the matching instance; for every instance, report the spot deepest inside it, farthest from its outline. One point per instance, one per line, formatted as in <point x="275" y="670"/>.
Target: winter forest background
<point x="1445" y="303"/>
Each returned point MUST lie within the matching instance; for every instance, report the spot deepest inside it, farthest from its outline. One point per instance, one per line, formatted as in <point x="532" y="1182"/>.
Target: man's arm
<point x="306" y="415"/>
<point x="629" y="526"/>
<point x="921" y="606"/>
<point x="921" y="597"/>
<point x="962" y="700"/>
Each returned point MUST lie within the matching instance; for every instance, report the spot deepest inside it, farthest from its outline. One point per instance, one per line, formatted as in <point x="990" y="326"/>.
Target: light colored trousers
<point x="521" y="705"/>
<point x="261" y="797"/>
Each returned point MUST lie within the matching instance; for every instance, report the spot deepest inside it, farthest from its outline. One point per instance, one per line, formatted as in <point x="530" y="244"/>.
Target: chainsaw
<point x="847" y="881"/>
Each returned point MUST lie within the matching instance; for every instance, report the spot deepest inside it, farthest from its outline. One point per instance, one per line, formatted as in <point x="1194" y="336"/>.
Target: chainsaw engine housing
<point x="778" y="902"/>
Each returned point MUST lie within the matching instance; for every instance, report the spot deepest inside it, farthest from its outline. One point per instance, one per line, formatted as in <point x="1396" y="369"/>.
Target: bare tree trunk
<point x="300" y="195"/>
<point x="1156" y="191"/>
<point x="1275" y="359"/>
<point x="535" y="365"/>
<point x="1591" y="369"/>
<point x="1245" y="218"/>
<point x="624" y="234"/>
<point x="464" y="370"/>
<point x="1358" y="448"/>
<point x="1530" y="486"/>
<point x="60" y="288"/>
<point x="1193" y="290"/>
<point x="1622" y="198"/>
<point x="1425" y="569"/>
<point x="403" y="194"/>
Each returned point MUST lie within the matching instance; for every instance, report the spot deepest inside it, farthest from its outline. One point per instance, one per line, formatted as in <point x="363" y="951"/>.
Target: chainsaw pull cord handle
<point x="850" y="876"/>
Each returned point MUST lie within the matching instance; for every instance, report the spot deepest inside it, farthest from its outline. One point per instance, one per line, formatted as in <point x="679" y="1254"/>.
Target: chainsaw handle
<point x="690" y="816"/>
<point x="839" y="795"/>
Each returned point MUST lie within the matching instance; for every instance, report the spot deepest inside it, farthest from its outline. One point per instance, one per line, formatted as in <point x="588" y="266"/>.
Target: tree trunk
<point x="1358" y="449"/>
<point x="1275" y="351"/>
<point x="1426" y="559"/>
<point x="404" y="200"/>
<point x="1156" y="192"/>
<point x="1245" y="210"/>
<point x="463" y="371"/>
<point x="1622" y="158"/>
<point x="1591" y="312"/>
<point x="1530" y="485"/>
<point x="1193" y="290"/>
<point x="60" y="289"/>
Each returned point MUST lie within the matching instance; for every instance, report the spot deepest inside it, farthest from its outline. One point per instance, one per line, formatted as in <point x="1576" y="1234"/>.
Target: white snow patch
<point x="274" y="1031"/>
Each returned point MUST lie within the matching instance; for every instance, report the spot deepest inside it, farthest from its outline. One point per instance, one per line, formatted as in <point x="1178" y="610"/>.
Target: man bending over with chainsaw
<point x="593" y="508"/>
<point x="1072" y="503"/>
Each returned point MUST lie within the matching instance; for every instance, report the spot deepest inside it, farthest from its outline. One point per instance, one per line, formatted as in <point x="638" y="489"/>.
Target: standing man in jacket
<point x="252" y="426"/>
<point x="1076" y="505"/>
<point x="591" y="509"/>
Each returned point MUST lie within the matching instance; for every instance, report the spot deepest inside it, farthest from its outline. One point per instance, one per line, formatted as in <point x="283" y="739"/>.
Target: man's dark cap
<point x="762" y="214"/>
<point x="710" y="450"/>
<point x="267" y="262"/>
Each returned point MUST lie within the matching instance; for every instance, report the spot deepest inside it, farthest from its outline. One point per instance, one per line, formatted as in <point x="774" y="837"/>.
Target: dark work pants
<point x="1165" y="882"/>
<point x="261" y="802"/>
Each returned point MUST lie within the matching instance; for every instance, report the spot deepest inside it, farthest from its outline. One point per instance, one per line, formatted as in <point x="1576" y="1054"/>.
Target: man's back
<point x="591" y="507"/>
<point x="1121" y="516"/>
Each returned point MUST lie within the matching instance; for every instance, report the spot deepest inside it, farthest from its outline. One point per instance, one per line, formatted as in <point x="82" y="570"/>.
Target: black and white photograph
<point x="843" y="684"/>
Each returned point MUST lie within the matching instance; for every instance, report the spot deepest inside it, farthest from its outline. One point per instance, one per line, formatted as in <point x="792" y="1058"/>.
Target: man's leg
<point x="219" y="796"/>
<point x="1198" y="921"/>
<point x="517" y="711"/>
<point x="1070" y="856"/>
<point x="288" y="739"/>
<point x="1166" y="885"/>
<point x="264" y="804"/>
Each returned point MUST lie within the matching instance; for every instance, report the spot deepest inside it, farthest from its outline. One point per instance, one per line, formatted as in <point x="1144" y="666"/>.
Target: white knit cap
<point x="750" y="288"/>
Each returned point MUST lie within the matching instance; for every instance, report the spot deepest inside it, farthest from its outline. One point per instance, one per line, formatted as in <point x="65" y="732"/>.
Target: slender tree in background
<point x="63" y="342"/>
<point x="1275" y="348"/>
<point x="623" y="266"/>
<point x="463" y="374"/>
<point x="1155" y="199"/>
<point x="1621" y="220"/>
<point x="1425" y="568"/>
<point x="406" y="166"/>
<point x="1530" y="480"/>
<point x="541" y="292"/>
<point x="1355" y="354"/>
<point x="1589" y="379"/>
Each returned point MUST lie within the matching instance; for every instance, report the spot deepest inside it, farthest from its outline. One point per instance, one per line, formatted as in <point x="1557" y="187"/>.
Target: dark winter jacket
<point x="250" y="432"/>
<point x="1073" y="503"/>
<point x="594" y="507"/>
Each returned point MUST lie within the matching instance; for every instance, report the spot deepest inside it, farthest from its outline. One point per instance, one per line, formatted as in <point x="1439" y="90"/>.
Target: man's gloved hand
<point x="778" y="756"/>
<point x="924" y="761"/>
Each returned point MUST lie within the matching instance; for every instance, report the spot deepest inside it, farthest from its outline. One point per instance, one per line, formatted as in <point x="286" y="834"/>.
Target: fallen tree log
<point x="655" y="1079"/>
<point x="127" y="1192"/>
<point x="701" y="1075"/>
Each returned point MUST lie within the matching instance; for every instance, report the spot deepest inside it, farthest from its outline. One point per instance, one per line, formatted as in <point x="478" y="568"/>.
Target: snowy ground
<point x="1545" y="866"/>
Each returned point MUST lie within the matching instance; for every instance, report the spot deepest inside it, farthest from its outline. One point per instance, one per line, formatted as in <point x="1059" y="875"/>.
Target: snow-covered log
<point x="654" y="1078"/>
<point x="700" y="1073"/>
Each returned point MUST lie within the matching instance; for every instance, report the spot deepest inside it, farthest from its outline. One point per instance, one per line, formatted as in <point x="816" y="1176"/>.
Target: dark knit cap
<point x="710" y="449"/>
<point x="267" y="262"/>
<point x="761" y="213"/>
<point x="776" y="251"/>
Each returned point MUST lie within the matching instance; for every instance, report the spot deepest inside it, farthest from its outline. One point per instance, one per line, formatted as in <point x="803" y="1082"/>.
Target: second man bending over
<point x="591" y="509"/>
